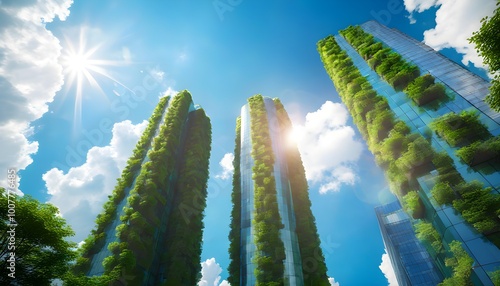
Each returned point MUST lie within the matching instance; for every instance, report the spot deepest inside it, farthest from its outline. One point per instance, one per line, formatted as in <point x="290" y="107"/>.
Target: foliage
<point x="443" y="193"/>
<point x="487" y="42"/>
<point x="426" y="232"/>
<point x="480" y="151"/>
<point x="478" y="206"/>
<point x="460" y="129"/>
<point x="235" y="232"/>
<point x="95" y="241"/>
<point x="41" y="249"/>
<point x="461" y="263"/>
<point x="185" y="224"/>
<point x="267" y="220"/>
<point x="413" y="205"/>
<point x="423" y="90"/>
<point x="495" y="277"/>
<point x="388" y="64"/>
<point x="307" y="233"/>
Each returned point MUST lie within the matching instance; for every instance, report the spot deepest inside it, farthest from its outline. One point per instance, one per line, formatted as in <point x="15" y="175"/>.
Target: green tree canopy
<point x="487" y="42"/>
<point x="42" y="252"/>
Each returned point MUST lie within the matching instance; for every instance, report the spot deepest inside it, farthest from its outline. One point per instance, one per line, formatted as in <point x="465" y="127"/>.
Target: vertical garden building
<point x="273" y="238"/>
<point x="424" y="119"/>
<point x="150" y="231"/>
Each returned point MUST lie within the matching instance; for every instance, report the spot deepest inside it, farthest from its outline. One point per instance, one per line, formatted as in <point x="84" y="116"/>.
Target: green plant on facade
<point x="388" y="64"/>
<point x="235" y="226"/>
<point x="460" y="129"/>
<point x="267" y="220"/>
<point x="313" y="262"/>
<point x="413" y="205"/>
<point x="424" y="90"/>
<point x="480" y="151"/>
<point x="461" y="264"/>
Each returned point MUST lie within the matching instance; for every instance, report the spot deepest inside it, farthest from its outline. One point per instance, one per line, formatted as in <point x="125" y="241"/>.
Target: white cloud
<point x="386" y="268"/>
<point x="169" y="92"/>
<point x="455" y="22"/>
<point x="328" y="147"/>
<point x="30" y="75"/>
<point x="332" y="282"/>
<point x="81" y="192"/>
<point x="210" y="274"/>
<point x="227" y="166"/>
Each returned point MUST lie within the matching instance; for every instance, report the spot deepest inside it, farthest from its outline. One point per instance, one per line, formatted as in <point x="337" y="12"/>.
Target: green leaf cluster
<point x="460" y="129"/>
<point x="42" y="250"/>
<point x="235" y="226"/>
<point x="480" y="151"/>
<point x="487" y="42"/>
<point x="424" y="90"/>
<point x="461" y="264"/>
<point x="267" y="220"/>
<point x="313" y="261"/>
<point x="413" y="205"/>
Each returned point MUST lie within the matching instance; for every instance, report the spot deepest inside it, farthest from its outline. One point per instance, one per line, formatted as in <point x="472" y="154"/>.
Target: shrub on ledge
<point x="460" y="129"/>
<point x="424" y="90"/>
<point x="480" y="151"/>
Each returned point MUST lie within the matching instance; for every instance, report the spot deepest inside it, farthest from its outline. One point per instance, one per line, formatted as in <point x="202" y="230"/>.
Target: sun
<point x="81" y="67"/>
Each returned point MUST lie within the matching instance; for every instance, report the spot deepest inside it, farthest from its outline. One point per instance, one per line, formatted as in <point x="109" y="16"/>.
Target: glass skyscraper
<point x="424" y="119"/>
<point x="273" y="234"/>
<point x="411" y="262"/>
<point x="150" y="231"/>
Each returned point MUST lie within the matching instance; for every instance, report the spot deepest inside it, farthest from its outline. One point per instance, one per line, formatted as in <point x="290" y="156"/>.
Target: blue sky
<point x="70" y="140"/>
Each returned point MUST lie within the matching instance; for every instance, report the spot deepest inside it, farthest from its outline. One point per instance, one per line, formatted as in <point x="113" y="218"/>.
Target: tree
<point x="487" y="42"/>
<point x="42" y="252"/>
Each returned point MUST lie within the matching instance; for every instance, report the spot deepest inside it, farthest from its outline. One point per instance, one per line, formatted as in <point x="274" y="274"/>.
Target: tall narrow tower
<point x="273" y="232"/>
<point x="150" y="231"/>
<point x="424" y="119"/>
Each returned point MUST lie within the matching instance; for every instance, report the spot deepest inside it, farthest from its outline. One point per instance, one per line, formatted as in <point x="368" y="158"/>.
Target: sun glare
<point x="80" y="67"/>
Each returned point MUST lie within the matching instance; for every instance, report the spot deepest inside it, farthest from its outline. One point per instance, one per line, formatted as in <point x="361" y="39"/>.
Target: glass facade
<point x="465" y="91"/>
<point x="292" y="263"/>
<point x="410" y="260"/>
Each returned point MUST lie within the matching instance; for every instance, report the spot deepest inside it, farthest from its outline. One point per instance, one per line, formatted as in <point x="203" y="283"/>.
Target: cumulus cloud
<point x="455" y="22"/>
<point x="81" y="192"/>
<point x="386" y="268"/>
<point x="30" y="74"/>
<point x="328" y="147"/>
<point x="227" y="166"/>
<point x="210" y="274"/>
<point x="332" y="282"/>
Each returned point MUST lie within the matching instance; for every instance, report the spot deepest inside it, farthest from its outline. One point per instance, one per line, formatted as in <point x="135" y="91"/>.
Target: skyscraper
<point x="273" y="238"/>
<point x="412" y="263"/>
<point x="424" y="119"/>
<point x="150" y="231"/>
